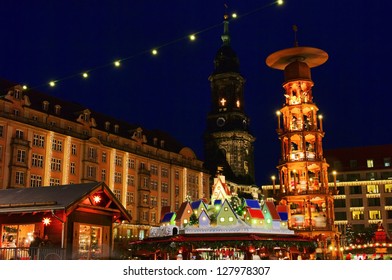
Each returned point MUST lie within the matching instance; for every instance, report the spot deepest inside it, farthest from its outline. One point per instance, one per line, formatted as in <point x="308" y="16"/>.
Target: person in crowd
<point x="46" y="242"/>
<point x="34" y="245"/>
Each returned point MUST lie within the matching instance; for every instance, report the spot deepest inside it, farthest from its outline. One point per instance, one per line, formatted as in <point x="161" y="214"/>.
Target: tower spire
<point x="295" y="29"/>
<point x="226" y="36"/>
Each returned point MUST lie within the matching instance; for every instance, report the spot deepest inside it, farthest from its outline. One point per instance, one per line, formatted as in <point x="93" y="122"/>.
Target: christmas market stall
<point x="228" y="227"/>
<point x="78" y="220"/>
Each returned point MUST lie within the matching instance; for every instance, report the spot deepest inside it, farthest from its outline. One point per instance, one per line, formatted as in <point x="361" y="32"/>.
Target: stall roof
<point x="64" y="197"/>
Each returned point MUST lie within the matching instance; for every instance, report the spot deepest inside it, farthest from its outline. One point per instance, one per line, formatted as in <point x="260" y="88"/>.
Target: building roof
<point x="255" y="213"/>
<point x="65" y="197"/>
<point x="271" y="208"/>
<point x="71" y="111"/>
<point x="252" y="203"/>
<point x="168" y="217"/>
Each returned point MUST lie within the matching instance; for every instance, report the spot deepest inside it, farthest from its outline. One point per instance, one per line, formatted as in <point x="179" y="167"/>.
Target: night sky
<point x="58" y="40"/>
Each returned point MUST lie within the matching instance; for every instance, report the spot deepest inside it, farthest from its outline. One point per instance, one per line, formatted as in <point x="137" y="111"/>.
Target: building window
<point x="131" y="180"/>
<point x="37" y="160"/>
<point x="72" y="171"/>
<point x="355" y="189"/>
<point x="389" y="214"/>
<point x="38" y="140"/>
<point x="353" y="164"/>
<point x="19" y="134"/>
<point x="374" y="215"/>
<point x="145" y="182"/>
<point x="164" y="202"/>
<point x="164" y="187"/>
<point x="55" y="164"/>
<point x="374" y="201"/>
<point x="387" y="162"/>
<point x="117" y="194"/>
<point x="340" y="203"/>
<point x="337" y="165"/>
<point x="1" y="131"/>
<point x="145" y="199"/>
<point x="388" y="188"/>
<point x="340" y="216"/>
<point x="103" y="175"/>
<point x="153" y="217"/>
<point x="370" y="176"/>
<point x="19" y="178"/>
<point x="372" y="189"/>
<point x="164" y="172"/>
<point x="154" y="169"/>
<point x="21" y="156"/>
<point x="104" y="156"/>
<point x="54" y="182"/>
<point x="370" y="163"/>
<point x="130" y="196"/>
<point x="45" y="105"/>
<point x="177" y="190"/>
<point x="388" y="201"/>
<point x="117" y="177"/>
<point x="91" y="171"/>
<point x="154" y="185"/>
<point x="356" y="202"/>
<point x="357" y="215"/>
<point x="131" y="163"/>
<point x="92" y="153"/>
<point x="73" y="149"/>
<point x="154" y="201"/>
<point x="177" y="175"/>
<point x="353" y="177"/>
<point x="57" y="145"/>
<point x="118" y="160"/>
<point x="35" y="181"/>
<point x="341" y="190"/>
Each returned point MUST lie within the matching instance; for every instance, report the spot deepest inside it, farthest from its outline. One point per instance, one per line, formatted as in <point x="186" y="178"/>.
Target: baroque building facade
<point x="228" y="143"/>
<point x="45" y="141"/>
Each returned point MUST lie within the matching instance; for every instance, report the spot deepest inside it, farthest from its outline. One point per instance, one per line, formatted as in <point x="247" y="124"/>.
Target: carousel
<point x="228" y="227"/>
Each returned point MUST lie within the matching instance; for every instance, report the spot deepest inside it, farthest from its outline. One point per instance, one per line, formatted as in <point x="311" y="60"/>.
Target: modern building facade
<point x="302" y="168"/>
<point x="363" y="178"/>
<point x="228" y="143"/>
<point x="45" y="141"/>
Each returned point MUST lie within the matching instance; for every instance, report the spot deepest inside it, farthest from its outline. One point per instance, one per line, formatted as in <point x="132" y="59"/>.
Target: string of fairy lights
<point x="152" y="51"/>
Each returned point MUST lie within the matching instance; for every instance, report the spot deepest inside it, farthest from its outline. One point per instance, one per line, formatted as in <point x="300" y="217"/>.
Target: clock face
<point x="220" y="121"/>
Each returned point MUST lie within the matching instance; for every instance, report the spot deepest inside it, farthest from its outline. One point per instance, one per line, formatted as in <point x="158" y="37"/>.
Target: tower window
<point x="223" y="101"/>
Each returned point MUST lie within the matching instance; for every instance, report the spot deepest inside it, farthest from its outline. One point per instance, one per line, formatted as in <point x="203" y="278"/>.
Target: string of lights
<point x="152" y="51"/>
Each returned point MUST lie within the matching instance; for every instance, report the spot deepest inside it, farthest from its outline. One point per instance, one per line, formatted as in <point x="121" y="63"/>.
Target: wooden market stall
<point x="77" y="218"/>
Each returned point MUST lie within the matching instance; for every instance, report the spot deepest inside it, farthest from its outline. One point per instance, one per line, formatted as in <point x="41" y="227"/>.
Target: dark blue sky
<point x="57" y="40"/>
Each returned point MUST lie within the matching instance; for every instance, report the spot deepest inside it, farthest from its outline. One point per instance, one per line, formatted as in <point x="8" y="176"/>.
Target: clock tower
<point x="228" y="143"/>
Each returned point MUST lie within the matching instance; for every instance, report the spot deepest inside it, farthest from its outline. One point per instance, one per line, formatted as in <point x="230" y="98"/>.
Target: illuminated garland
<point x="152" y="51"/>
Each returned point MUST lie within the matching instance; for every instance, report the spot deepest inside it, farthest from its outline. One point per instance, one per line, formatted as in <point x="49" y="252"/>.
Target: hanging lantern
<point x="46" y="221"/>
<point x="97" y="199"/>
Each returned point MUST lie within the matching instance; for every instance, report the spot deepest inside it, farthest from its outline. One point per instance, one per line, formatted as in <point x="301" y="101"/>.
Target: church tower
<point x="303" y="171"/>
<point x="228" y="143"/>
